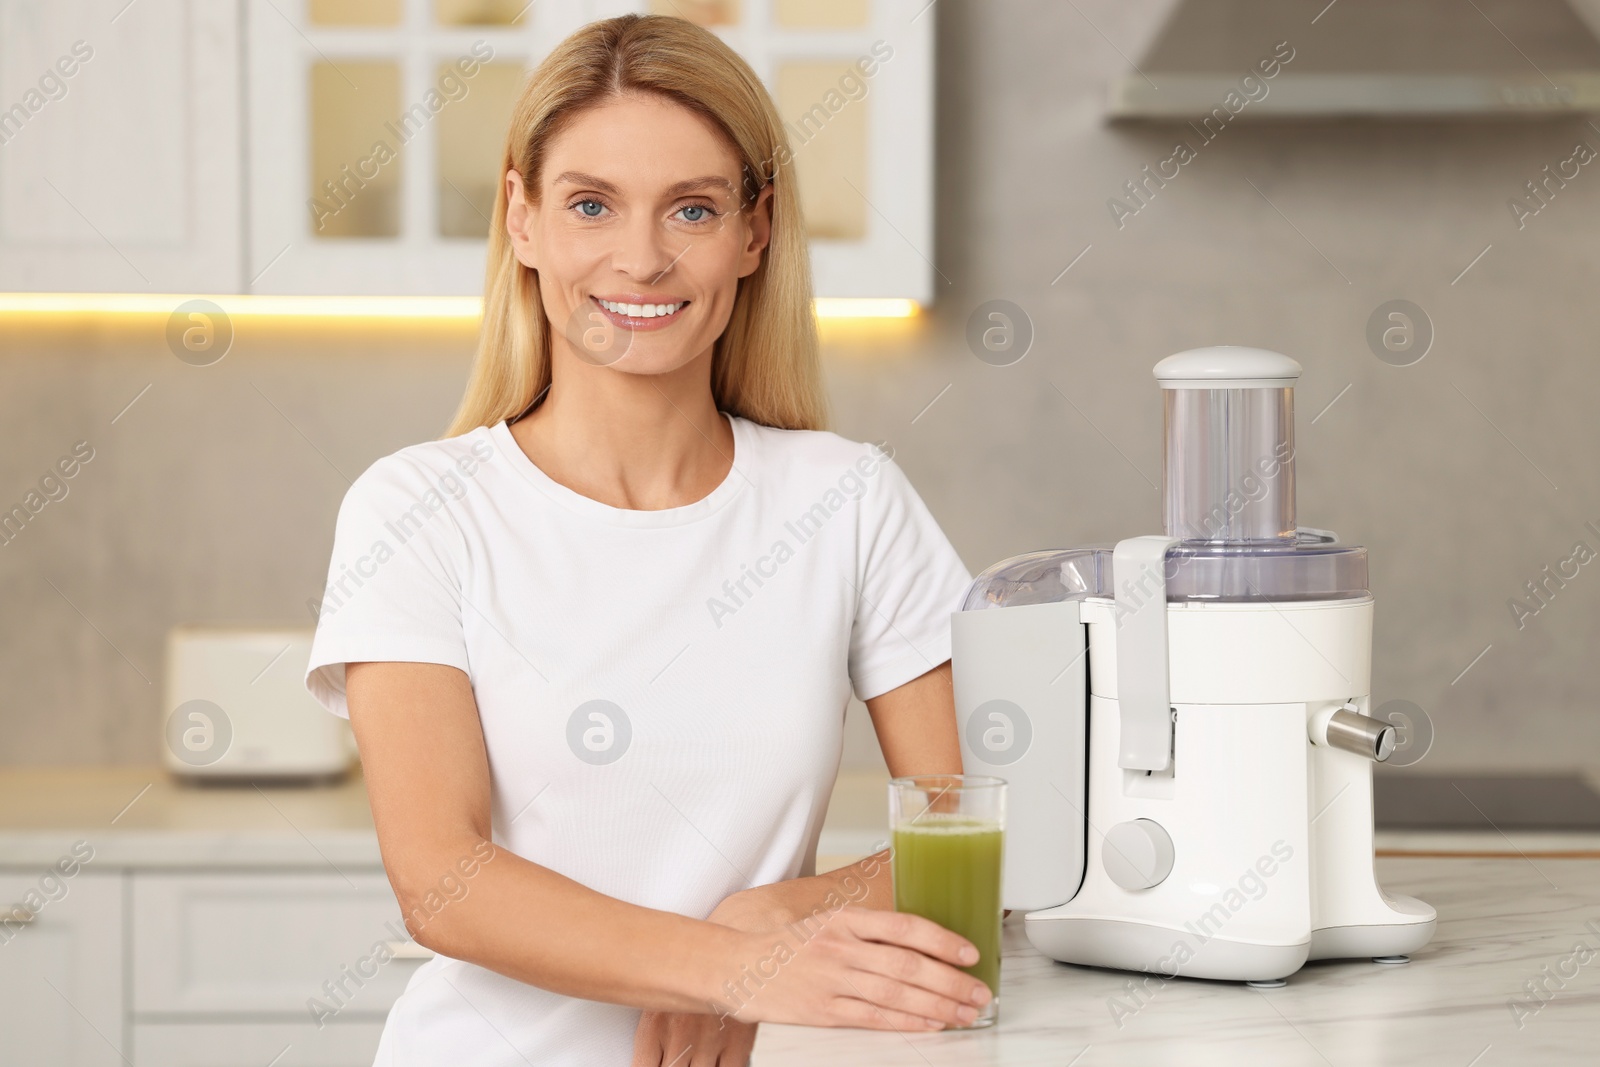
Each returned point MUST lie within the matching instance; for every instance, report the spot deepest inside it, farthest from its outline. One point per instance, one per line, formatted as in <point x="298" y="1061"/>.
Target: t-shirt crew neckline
<point x="726" y="490"/>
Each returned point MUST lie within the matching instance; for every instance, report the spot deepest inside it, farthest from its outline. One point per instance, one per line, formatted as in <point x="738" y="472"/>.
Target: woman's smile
<point x="633" y="311"/>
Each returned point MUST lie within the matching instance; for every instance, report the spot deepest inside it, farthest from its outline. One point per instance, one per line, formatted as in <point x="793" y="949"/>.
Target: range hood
<point x="1371" y="58"/>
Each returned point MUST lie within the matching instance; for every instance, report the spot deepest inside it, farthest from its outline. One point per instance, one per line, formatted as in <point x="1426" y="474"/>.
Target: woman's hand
<point x="880" y="970"/>
<point x="666" y="1039"/>
<point x="678" y="1039"/>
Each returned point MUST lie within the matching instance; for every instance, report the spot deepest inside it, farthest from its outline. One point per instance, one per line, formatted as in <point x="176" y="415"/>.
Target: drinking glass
<point x="948" y="833"/>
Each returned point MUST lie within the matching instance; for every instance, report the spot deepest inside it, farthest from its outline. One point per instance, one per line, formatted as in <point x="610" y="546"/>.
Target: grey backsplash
<point x="212" y="499"/>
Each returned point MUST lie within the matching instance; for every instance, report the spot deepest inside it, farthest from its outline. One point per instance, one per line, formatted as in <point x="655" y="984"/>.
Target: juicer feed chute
<point x="1228" y="460"/>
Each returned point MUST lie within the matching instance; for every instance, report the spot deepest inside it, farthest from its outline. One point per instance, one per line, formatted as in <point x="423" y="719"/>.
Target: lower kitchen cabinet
<point x="342" y="1044"/>
<point x="266" y="943"/>
<point x="61" y="969"/>
<point x="198" y="968"/>
<point x="243" y="969"/>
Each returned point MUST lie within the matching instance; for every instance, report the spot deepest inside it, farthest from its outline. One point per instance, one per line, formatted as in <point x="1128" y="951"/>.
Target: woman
<point x="596" y="645"/>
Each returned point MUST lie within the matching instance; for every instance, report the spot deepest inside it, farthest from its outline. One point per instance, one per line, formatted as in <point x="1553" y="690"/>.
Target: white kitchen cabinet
<point x="343" y="1044"/>
<point x="373" y="168"/>
<point x="61" y="992"/>
<point x="214" y="146"/>
<point x="120" y="149"/>
<point x="265" y="943"/>
<point x="205" y="922"/>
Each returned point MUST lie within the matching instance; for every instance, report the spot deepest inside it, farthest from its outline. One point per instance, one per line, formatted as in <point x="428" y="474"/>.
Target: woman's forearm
<point x="537" y="926"/>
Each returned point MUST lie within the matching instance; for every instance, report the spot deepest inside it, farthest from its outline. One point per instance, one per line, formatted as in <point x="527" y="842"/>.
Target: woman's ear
<point x="520" y="221"/>
<point x="758" y="224"/>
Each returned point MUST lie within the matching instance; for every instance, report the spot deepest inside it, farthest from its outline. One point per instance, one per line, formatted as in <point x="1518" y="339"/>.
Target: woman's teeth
<point x="641" y="311"/>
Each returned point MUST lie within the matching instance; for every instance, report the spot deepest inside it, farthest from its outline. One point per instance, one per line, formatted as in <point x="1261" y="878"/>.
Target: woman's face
<point x="637" y="234"/>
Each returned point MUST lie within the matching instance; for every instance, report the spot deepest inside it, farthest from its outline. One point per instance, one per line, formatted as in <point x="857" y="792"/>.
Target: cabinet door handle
<point x="408" y="950"/>
<point x="17" y="915"/>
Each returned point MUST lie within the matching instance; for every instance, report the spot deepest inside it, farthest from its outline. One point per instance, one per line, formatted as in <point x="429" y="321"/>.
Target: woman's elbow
<point x="431" y="889"/>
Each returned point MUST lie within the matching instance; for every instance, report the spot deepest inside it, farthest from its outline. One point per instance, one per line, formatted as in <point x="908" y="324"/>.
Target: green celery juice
<point x="947" y="869"/>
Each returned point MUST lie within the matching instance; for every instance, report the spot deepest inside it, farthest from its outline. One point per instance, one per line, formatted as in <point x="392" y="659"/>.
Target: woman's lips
<point x="641" y="316"/>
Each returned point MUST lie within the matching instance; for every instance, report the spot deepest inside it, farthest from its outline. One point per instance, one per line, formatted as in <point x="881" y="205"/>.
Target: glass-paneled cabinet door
<point x="375" y="132"/>
<point x="376" y="126"/>
<point x="853" y="80"/>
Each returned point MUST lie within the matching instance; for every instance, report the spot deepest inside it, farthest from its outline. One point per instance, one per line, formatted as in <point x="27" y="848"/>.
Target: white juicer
<point x="1185" y="720"/>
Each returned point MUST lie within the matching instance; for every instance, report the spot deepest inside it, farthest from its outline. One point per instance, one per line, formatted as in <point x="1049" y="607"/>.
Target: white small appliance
<point x="1186" y="719"/>
<point x="237" y="707"/>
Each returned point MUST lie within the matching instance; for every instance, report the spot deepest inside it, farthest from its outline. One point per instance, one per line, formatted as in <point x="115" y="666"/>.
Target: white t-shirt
<point x="662" y="693"/>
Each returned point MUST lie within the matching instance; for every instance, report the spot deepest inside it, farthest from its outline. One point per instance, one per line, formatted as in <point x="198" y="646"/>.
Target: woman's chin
<point x="648" y="360"/>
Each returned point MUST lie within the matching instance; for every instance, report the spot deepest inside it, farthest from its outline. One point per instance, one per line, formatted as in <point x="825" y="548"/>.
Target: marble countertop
<point x="1460" y="1002"/>
<point x="1511" y="910"/>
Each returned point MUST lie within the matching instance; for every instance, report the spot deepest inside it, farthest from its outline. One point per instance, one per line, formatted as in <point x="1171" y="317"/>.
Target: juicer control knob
<point x="1137" y="854"/>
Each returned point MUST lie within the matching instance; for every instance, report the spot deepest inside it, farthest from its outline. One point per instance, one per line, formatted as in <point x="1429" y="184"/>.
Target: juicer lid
<point x="1227" y="367"/>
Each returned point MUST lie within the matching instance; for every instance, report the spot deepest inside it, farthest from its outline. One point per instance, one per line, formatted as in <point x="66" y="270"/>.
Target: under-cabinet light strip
<point x="379" y="307"/>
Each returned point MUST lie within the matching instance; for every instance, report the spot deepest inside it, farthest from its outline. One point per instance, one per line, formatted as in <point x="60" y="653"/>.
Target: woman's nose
<point x="646" y="252"/>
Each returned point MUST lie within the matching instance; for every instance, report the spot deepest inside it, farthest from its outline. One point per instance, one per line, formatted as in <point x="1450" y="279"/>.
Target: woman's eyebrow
<point x="694" y="185"/>
<point x="588" y="181"/>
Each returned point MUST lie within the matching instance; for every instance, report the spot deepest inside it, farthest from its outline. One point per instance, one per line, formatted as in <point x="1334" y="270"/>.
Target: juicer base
<point x="1374" y="941"/>
<point x="1160" y="951"/>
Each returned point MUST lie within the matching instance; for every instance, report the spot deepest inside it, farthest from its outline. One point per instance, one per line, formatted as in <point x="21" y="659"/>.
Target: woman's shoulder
<point x="444" y="466"/>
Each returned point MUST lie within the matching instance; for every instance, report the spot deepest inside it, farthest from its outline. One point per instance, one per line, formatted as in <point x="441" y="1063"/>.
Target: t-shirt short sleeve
<point x="394" y="581"/>
<point x="909" y="580"/>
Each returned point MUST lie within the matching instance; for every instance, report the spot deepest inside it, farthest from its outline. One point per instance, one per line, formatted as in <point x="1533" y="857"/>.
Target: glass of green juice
<point x="948" y="840"/>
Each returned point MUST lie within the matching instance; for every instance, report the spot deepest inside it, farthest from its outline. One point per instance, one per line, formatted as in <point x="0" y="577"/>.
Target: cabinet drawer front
<point x="308" y="945"/>
<point x="61" y="969"/>
<point x="255" y="1044"/>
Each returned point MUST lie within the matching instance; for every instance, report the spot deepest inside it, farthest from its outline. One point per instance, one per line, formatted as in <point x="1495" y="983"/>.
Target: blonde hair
<point x="765" y="365"/>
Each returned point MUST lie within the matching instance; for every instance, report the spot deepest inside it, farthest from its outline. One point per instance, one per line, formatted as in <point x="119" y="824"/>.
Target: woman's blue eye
<point x="591" y="208"/>
<point x="695" y="213"/>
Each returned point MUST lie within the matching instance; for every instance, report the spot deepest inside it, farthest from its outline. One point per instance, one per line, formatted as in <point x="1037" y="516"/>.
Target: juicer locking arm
<point x="1144" y="693"/>
<point x="1345" y="727"/>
